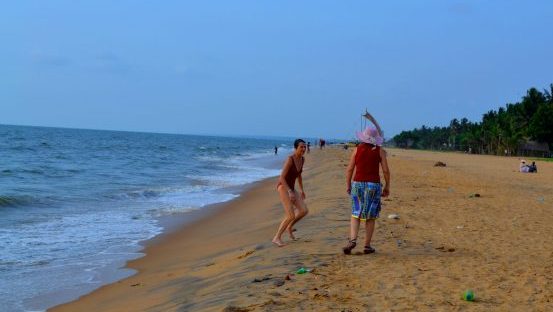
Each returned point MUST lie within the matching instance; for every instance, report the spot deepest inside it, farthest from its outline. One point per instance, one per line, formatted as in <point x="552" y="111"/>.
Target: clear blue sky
<point x="283" y="68"/>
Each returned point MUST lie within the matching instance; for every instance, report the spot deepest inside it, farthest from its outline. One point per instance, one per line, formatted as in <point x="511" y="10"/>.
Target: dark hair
<point x="297" y="143"/>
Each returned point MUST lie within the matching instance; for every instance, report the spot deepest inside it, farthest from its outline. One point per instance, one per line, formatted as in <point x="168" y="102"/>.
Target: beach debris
<point x="459" y="227"/>
<point x="393" y="216"/>
<point x="259" y="280"/>
<point x="439" y="164"/>
<point x="541" y="199"/>
<point x="302" y="270"/>
<point x="445" y="249"/>
<point x="472" y="195"/>
<point x="287" y="277"/>
<point x="468" y="295"/>
<point x="134" y="285"/>
<point x="246" y="254"/>
<point x="314" y="272"/>
<point x="259" y="247"/>
<point x="321" y="296"/>
<point x="399" y="242"/>
<point x="450" y="189"/>
<point x="279" y="282"/>
<point x="231" y="308"/>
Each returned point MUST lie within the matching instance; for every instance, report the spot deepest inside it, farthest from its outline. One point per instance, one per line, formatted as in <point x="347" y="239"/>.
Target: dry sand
<point x="447" y="240"/>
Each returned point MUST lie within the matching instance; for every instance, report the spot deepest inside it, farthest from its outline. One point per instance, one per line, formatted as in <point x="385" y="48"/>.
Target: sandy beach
<point x="475" y="224"/>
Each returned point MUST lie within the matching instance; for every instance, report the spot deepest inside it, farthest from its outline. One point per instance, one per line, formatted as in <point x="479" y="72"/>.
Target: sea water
<point x="75" y="204"/>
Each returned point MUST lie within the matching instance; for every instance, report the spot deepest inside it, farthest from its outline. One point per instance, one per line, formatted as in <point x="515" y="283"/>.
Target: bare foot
<point x="291" y="233"/>
<point x="278" y="242"/>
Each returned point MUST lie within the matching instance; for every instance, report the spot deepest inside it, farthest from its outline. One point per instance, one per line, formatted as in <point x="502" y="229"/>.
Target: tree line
<point x="515" y="129"/>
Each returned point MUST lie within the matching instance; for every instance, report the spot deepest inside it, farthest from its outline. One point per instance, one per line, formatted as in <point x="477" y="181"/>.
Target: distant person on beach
<point x="524" y="167"/>
<point x="292" y="200"/>
<point x="322" y="143"/>
<point x="308" y="147"/>
<point x="276" y="149"/>
<point x="533" y="168"/>
<point x="366" y="188"/>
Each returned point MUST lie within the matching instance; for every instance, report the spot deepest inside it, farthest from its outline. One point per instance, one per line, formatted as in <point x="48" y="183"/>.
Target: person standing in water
<point x="292" y="200"/>
<point x="366" y="188"/>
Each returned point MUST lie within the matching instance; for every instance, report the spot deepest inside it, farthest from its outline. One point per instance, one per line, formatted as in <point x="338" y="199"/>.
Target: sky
<point x="268" y="68"/>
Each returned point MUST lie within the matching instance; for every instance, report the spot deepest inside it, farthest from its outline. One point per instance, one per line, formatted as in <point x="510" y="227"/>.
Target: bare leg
<point x="369" y="230"/>
<point x="354" y="228"/>
<point x="300" y="212"/>
<point x="288" y="216"/>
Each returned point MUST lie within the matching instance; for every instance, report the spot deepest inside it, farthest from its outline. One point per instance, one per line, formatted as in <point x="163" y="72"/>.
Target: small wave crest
<point x="138" y="194"/>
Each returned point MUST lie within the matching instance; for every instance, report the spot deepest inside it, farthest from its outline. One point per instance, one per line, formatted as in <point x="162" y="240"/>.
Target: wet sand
<point x="475" y="224"/>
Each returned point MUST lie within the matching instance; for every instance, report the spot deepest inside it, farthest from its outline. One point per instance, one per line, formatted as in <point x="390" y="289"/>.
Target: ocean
<point x="76" y="204"/>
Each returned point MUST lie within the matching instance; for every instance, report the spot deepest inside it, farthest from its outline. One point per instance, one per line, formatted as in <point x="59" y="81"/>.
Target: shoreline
<point x="226" y="260"/>
<point x="167" y="223"/>
<point x="175" y="226"/>
<point x="170" y="224"/>
<point x="178" y="221"/>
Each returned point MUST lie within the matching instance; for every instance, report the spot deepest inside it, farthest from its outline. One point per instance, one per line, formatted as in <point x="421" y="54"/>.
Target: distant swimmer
<point x="276" y="149"/>
<point x="292" y="200"/>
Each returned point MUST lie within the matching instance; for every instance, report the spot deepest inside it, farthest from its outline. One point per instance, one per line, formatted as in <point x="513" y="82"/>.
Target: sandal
<point x="369" y="250"/>
<point x="351" y="244"/>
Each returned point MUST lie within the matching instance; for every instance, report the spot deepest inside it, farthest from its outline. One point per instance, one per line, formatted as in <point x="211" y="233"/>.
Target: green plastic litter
<point x="302" y="271"/>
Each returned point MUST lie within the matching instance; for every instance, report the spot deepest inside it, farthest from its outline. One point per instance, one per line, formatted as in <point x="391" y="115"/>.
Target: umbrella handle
<point x="371" y="119"/>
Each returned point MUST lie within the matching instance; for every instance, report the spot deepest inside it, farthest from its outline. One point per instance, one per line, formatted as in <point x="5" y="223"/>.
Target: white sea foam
<point x="79" y="229"/>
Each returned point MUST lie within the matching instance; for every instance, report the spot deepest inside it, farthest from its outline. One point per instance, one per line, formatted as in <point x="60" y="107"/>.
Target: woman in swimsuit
<point x="292" y="200"/>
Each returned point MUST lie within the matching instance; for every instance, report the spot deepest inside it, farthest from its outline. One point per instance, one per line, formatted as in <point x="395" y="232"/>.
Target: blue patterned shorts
<point x="365" y="200"/>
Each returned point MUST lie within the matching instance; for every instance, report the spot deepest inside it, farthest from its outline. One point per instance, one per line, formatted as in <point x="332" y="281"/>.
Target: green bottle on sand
<point x="468" y="295"/>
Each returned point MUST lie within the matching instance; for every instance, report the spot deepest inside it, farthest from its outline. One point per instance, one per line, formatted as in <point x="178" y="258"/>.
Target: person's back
<point x="367" y="162"/>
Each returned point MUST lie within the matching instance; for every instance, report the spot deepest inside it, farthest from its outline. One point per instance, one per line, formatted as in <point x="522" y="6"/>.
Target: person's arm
<point x="300" y="183"/>
<point x="282" y="179"/>
<point x="349" y="171"/>
<point x="386" y="171"/>
<point x="300" y="179"/>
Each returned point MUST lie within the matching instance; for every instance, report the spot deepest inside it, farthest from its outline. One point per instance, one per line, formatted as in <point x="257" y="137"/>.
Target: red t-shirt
<point x="367" y="161"/>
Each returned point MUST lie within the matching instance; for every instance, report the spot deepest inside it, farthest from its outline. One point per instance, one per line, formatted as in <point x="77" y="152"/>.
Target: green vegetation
<point x="540" y="159"/>
<point x="523" y="128"/>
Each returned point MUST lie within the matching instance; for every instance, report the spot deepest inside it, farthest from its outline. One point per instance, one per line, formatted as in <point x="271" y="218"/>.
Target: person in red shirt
<point x="292" y="200"/>
<point x="366" y="189"/>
